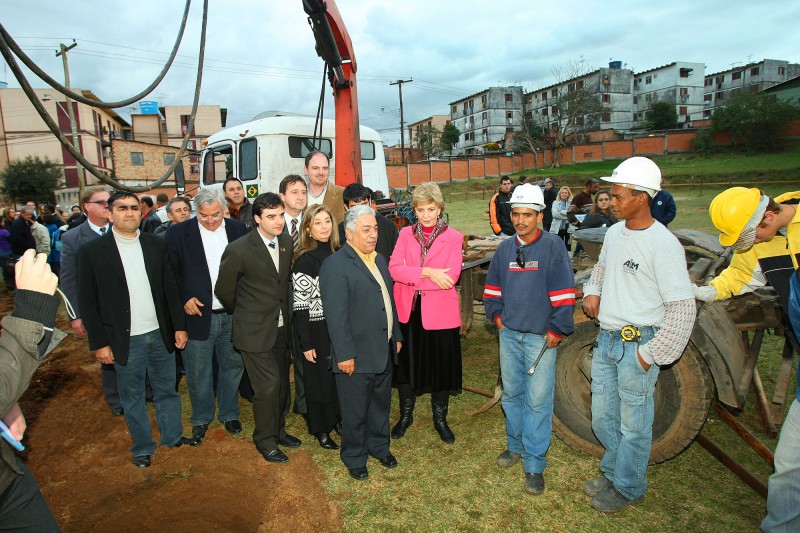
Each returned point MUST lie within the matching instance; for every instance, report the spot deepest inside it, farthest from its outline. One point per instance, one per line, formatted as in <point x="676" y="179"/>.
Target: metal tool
<point x="532" y="369"/>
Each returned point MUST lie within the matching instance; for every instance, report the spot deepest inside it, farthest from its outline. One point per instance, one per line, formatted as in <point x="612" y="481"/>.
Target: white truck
<point x="264" y="151"/>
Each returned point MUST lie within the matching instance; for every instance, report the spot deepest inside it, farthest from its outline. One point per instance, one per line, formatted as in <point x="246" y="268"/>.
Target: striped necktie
<point x="293" y="231"/>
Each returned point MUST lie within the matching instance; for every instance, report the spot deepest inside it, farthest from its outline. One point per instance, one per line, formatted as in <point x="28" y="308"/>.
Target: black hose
<point x="28" y="62"/>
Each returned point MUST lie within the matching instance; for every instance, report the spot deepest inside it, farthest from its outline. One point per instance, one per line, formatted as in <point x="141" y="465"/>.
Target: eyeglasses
<point x="520" y="257"/>
<point x="206" y="218"/>
<point x="103" y="203"/>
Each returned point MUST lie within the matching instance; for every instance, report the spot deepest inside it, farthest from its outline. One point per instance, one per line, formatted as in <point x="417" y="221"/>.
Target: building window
<point x="509" y="115"/>
<point x="736" y="75"/>
<point x="719" y="96"/>
<point x="606" y="98"/>
<point x="606" y="117"/>
<point x="454" y="110"/>
<point x="684" y="91"/>
<point x="721" y="79"/>
<point x="781" y="71"/>
<point x="754" y="71"/>
<point x="554" y="93"/>
<point x="580" y="84"/>
<point x="484" y="116"/>
<point x="648" y="97"/>
<point x="554" y="109"/>
<point x="483" y="99"/>
<point x="707" y="98"/>
<point x="571" y="88"/>
<point x="709" y="82"/>
<point x="682" y="110"/>
<point x="544" y="95"/>
<point x="509" y="97"/>
<point x="169" y="159"/>
<point x="137" y="159"/>
<point x="707" y="113"/>
<point x="684" y="72"/>
<point x="635" y="100"/>
<point x="544" y="112"/>
<point x="648" y="80"/>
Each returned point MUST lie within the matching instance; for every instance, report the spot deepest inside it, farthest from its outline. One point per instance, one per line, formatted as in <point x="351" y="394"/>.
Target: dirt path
<point x="79" y="454"/>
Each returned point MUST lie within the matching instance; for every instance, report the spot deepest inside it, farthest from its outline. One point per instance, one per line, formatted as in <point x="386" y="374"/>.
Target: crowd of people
<point x="313" y="278"/>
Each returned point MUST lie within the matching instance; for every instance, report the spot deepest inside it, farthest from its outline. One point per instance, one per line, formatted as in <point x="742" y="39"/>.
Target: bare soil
<point x="80" y="455"/>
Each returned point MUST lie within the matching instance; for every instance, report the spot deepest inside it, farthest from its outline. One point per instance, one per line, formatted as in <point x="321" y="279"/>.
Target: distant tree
<point x="759" y="118"/>
<point x="450" y="136"/>
<point x="531" y="134"/>
<point x="575" y="108"/>
<point x="31" y="178"/>
<point x="662" y="115"/>
<point x="429" y="141"/>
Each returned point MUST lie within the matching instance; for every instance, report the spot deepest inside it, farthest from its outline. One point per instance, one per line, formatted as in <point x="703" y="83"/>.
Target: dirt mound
<point x="79" y="454"/>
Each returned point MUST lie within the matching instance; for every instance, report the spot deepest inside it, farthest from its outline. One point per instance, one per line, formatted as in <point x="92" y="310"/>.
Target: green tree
<point x="429" y="141"/>
<point x="531" y="135"/>
<point x="450" y="136"/>
<point x="31" y="178"/>
<point x="759" y="119"/>
<point x="662" y="115"/>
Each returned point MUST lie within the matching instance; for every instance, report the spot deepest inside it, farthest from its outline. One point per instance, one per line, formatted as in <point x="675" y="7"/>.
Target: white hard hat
<point x="528" y="195"/>
<point x="637" y="173"/>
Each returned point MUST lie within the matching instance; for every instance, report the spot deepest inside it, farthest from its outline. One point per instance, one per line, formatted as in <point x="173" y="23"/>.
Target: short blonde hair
<point x="427" y="193"/>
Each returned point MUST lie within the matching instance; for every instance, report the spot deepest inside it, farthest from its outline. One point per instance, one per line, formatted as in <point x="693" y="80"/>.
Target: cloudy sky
<point x="260" y="53"/>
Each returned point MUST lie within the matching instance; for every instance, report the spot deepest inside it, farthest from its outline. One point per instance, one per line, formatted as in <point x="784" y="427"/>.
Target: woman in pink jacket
<point x="425" y="266"/>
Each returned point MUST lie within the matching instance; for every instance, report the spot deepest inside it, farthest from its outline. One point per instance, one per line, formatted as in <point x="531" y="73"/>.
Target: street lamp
<point x="75" y="140"/>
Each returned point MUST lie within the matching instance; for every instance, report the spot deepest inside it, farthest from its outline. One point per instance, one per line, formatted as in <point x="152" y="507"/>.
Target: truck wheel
<point x="682" y="398"/>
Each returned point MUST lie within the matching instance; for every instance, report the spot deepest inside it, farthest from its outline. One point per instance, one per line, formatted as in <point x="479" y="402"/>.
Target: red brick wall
<point x="794" y="129"/>
<point x="680" y="142"/>
<point x="616" y="149"/>
<point x="460" y="169"/>
<point x="588" y="152"/>
<point x="441" y="171"/>
<point x="649" y="145"/>
<point x="565" y="156"/>
<point x="397" y="176"/>
<point x="420" y="173"/>
<point x="492" y="167"/>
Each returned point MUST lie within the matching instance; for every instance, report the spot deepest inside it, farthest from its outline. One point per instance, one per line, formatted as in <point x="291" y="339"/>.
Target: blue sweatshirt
<point x="538" y="297"/>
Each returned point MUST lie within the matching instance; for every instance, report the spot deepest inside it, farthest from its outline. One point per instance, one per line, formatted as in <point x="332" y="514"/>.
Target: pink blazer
<point x="440" y="308"/>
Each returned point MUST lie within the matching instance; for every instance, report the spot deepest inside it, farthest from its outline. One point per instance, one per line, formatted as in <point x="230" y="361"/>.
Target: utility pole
<point x="71" y="115"/>
<point x="399" y="84"/>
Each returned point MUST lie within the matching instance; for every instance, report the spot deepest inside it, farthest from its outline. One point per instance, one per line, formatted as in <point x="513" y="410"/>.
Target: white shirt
<point x="96" y="229"/>
<point x="214" y="243"/>
<point x="273" y="253"/>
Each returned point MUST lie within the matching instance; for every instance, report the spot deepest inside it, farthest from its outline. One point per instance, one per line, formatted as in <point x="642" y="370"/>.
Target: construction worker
<point x="641" y="294"/>
<point x="765" y="233"/>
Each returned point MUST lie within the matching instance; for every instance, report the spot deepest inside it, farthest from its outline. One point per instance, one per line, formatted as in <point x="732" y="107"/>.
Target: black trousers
<point x="269" y="376"/>
<point x="364" y="400"/>
<point x="22" y="507"/>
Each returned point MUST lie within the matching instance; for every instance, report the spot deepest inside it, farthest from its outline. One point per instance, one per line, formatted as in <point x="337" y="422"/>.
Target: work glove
<point x="706" y="293"/>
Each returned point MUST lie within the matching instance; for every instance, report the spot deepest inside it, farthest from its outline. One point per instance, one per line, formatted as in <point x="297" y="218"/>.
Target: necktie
<point x="102" y="231"/>
<point x="294" y="231"/>
<point x="272" y="245"/>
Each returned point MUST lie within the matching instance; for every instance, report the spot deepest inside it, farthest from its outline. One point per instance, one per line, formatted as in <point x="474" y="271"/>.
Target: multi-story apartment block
<point x="23" y="133"/>
<point x="485" y="117"/>
<point x="680" y="83"/>
<point x="753" y="77"/>
<point x="420" y="127"/>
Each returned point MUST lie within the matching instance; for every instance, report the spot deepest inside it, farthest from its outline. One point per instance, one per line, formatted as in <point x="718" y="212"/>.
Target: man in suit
<point x="20" y="234"/>
<point x="365" y="337"/>
<point x="134" y="320"/>
<point x="95" y="206"/>
<point x="320" y="190"/>
<point x="356" y="194"/>
<point x="150" y="220"/>
<point x="255" y="283"/>
<point x="195" y="250"/>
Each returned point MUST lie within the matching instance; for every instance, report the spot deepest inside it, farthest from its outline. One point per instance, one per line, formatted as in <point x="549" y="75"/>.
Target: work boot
<point x="611" y="501"/>
<point x="439" y="408"/>
<point x="406" y="417"/>
<point x="507" y="459"/>
<point x="534" y="483"/>
<point x="595" y="486"/>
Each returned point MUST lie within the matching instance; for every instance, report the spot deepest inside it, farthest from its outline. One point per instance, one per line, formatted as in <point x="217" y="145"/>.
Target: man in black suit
<point x="255" y="283"/>
<point x="365" y="337"/>
<point x="20" y="235"/>
<point x="356" y="194"/>
<point x="195" y="249"/>
<point x="150" y="221"/>
<point x="133" y="315"/>
<point x="95" y="205"/>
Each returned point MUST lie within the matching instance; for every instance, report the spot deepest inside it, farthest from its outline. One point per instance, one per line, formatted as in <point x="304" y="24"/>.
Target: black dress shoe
<point x="359" y="473"/>
<point x="142" y="461"/>
<point x="390" y="461"/>
<point x="275" y="456"/>
<point x="337" y="427"/>
<point x="187" y="441"/>
<point x="325" y="441"/>
<point x="234" y="427"/>
<point x="117" y="411"/>
<point x="198" y="432"/>
<point x="290" y="441"/>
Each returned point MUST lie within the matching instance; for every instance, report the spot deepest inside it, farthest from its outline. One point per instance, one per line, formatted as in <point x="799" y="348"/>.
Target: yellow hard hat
<point x="731" y="210"/>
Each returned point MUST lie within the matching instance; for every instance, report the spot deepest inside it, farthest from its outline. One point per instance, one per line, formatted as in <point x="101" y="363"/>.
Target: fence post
<point x="430" y="170"/>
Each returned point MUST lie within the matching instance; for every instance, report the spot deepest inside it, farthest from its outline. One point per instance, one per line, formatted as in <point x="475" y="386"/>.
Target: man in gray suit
<point x="365" y="337"/>
<point x="95" y="205"/>
<point x="254" y="284"/>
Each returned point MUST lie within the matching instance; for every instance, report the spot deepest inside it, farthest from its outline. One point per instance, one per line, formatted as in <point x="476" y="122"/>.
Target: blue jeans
<point x="783" y="497"/>
<point x="147" y="355"/>
<point x="622" y="410"/>
<point x="527" y="400"/>
<point x="197" y="358"/>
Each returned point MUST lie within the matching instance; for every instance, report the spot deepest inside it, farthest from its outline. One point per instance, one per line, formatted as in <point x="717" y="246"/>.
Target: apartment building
<point x="23" y="133"/>
<point x="550" y="106"/>
<point x="680" y="83"/>
<point x="434" y="122"/>
<point x="753" y="77"/>
<point x="485" y="117"/>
